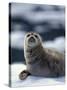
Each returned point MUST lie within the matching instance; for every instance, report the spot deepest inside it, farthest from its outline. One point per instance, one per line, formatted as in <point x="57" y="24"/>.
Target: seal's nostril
<point x="32" y="39"/>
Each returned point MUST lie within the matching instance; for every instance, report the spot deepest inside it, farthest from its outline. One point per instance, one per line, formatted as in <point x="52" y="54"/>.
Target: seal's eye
<point x="36" y="36"/>
<point x="28" y="35"/>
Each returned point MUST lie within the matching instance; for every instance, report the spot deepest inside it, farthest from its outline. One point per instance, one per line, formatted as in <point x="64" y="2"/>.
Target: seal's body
<point x="41" y="61"/>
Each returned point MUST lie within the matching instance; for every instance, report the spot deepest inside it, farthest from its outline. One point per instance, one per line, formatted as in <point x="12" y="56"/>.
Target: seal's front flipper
<point x="23" y="75"/>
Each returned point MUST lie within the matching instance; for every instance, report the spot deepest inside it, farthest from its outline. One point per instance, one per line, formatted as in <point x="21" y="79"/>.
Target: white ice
<point x="31" y="80"/>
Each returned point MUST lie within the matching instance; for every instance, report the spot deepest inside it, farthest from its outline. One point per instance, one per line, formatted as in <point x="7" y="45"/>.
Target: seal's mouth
<point x="31" y="40"/>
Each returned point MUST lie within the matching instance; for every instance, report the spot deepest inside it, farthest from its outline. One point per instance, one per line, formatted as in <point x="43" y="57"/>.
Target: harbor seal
<point x="41" y="61"/>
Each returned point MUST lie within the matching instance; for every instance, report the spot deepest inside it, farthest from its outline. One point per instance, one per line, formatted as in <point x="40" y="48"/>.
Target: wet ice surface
<point x="31" y="80"/>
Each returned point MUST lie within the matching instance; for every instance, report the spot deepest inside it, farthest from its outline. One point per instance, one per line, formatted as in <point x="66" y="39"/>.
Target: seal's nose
<point x="32" y="39"/>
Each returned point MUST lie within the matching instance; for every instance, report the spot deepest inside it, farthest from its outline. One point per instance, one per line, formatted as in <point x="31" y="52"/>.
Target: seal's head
<point x="32" y="39"/>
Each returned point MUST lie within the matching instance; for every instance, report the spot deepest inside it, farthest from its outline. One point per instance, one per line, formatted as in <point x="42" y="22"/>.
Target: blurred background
<point x="47" y="20"/>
